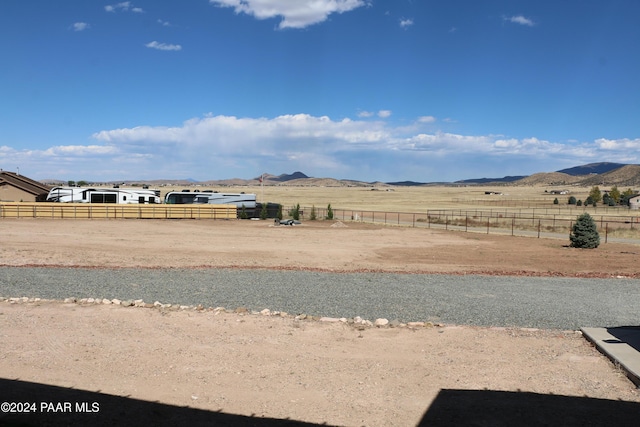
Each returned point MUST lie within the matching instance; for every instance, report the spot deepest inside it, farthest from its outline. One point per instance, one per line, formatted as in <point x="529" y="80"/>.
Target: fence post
<point x="513" y="222"/>
<point x="414" y="220"/>
<point x="538" y="229"/>
<point x="466" y="223"/>
<point x="606" y="233"/>
<point x="488" y="220"/>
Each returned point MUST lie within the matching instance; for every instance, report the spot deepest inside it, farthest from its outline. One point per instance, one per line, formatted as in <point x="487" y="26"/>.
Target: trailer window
<point x="103" y="198"/>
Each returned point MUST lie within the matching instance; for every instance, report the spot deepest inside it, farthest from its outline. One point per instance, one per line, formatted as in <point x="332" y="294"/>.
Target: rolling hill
<point x="604" y="173"/>
<point x="592" y="168"/>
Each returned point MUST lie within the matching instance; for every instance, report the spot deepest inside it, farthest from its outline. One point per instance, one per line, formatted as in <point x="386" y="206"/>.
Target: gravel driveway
<point x="535" y="302"/>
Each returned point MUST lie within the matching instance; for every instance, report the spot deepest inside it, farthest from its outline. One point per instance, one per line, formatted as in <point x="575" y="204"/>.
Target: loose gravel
<point x="529" y="302"/>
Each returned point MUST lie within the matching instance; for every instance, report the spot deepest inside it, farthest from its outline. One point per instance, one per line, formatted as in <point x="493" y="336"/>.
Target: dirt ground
<point x="189" y="367"/>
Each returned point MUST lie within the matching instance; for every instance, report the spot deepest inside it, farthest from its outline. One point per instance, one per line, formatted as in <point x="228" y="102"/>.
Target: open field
<point x="418" y="199"/>
<point x="528" y="208"/>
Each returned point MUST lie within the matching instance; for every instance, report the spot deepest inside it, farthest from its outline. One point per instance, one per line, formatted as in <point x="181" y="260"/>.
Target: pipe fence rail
<point x="547" y="223"/>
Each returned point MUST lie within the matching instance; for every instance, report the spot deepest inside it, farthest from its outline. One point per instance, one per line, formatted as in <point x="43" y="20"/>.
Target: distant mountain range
<point x="604" y="173"/>
<point x="284" y="177"/>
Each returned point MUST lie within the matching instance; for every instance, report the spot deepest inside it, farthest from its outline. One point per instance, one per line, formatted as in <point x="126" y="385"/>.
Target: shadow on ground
<point x="108" y="410"/>
<point x="64" y="406"/>
<point x="501" y="408"/>
<point x="627" y="334"/>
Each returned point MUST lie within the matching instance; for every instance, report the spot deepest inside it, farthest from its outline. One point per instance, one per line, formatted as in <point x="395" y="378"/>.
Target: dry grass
<point x="472" y="201"/>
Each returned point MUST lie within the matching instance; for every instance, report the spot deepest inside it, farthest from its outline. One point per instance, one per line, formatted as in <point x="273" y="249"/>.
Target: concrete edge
<point x="619" y="352"/>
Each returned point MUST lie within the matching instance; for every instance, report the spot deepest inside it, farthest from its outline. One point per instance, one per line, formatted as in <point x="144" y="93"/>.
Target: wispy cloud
<point x="382" y="114"/>
<point x="365" y="114"/>
<point x="426" y="119"/>
<point x="80" y="26"/>
<point x="164" y="23"/>
<point x="124" y="6"/>
<point x="163" y="46"/>
<point x="404" y="23"/>
<point x="521" y="20"/>
<point x="294" y="14"/>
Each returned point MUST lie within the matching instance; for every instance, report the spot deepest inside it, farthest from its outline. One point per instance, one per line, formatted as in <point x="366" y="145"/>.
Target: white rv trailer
<point x="211" y="197"/>
<point x="102" y="195"/>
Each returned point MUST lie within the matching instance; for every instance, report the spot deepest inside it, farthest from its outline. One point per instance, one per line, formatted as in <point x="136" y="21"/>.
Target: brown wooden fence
<point x="115" y="211"/>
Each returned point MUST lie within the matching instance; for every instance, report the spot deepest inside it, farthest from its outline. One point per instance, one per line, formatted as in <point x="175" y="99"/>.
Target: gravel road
<point x="547" y="303"/>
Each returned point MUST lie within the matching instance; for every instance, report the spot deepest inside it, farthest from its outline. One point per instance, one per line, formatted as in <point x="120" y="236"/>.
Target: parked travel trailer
<point x="211" y="197"/>
<point x="102" y="195"/>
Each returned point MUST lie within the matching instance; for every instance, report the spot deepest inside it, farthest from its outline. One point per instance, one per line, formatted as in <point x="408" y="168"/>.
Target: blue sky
<point x="384" y="90"/>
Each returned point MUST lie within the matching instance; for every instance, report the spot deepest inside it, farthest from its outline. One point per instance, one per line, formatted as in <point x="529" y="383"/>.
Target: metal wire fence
<point x="545" y="222"/>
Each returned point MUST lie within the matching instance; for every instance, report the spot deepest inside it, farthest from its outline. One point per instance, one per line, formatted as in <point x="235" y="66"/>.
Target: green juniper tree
<point x="329" y="212"/>
<point x="585" y="233"/>
<point x="295" y="212"/>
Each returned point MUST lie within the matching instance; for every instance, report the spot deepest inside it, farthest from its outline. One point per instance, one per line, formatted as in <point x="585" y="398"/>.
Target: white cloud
<point x="364" y="114"/>
<point x="519" y="19"/>
<point x="618" y="144"/>
<point x="426" y="119"/>
<point x="364" y="149"/>
<point x="303" y="135"/>
<point x="124" y="6"/>
<point x="80" y="150"/>
<point x="404" y="23"/>
<point x="80" y="26"/>
<point x="163" y="46"/>
<point x="164" y="23"/>
<point x="384" y="114"/>
<point x="294" y="14"/>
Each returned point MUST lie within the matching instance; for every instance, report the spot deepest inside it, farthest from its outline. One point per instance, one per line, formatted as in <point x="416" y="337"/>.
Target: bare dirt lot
<point x="214" y="367"/>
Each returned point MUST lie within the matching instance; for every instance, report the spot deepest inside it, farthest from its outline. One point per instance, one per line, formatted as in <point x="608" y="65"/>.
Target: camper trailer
<point x="245" y="203"/>
<point x="211" y="197"/>
<point x="102" y="195"/>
